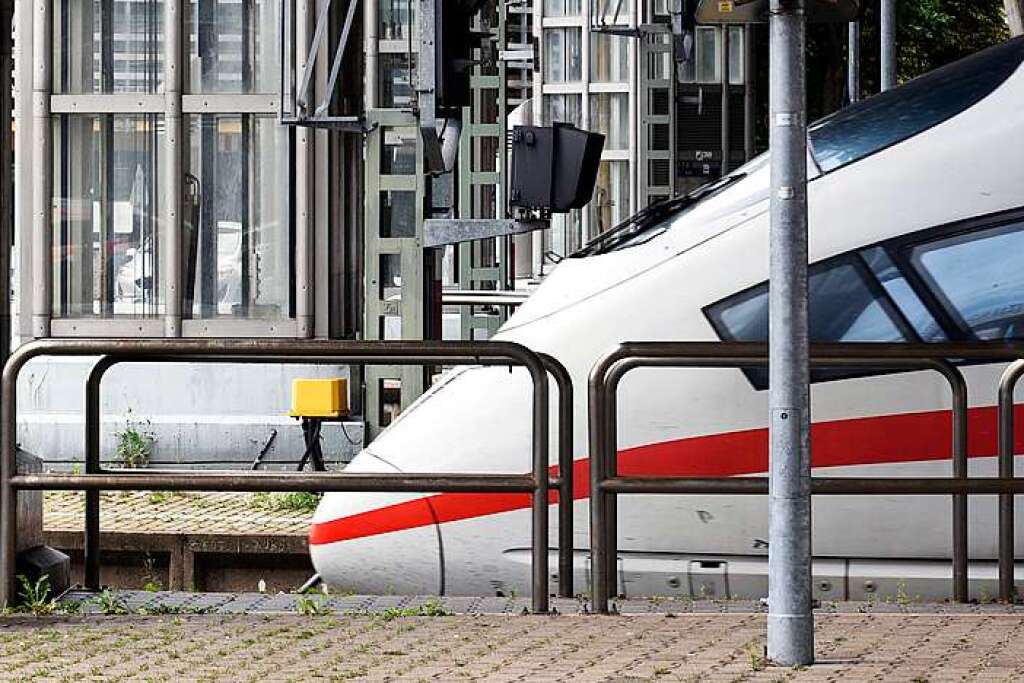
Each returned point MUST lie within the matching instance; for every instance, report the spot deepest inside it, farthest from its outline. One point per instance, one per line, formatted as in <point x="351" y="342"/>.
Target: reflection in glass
<point x="706" y="55"/>
<point x="562" y="51"/>
<point x="978" y="278"/>
<point x="609" y="115"/>
<point x="736" y="52"/>
<point x="609" y="58"/>
<point x="108" y="46"/>
<point x="395" y="19"/>
<point x="243" y="265"/>
<point x="106" y="237"/>
<point x="398" y="156"/>
<point x="395" y="72"/>
<point x="564" y="108"/>
<point x="562" y="8"/>
<point x="398" y="213"/>
<point x="610" y="204"/>
<point x="234" y="46"/>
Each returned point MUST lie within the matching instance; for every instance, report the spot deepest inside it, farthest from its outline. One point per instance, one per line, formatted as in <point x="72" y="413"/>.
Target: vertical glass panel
<point x="736" y="52"/>
<point x="398" y="213"/>
<point x="396" y="18"/>
<point x="234" y="46"/>
<point x="241" y="254"/>
<point x="610" y="205"/>
<point x="389" y="290"/>
<point x="562" y="55"/>
<point x="564" y="108"/>
<point x="106" y="215"/>
<point x="706" y="54"/>
<point x="567" y="232"/>
<point x="609" y="58"/>
<point x="609" y="115"/>
<point x="108" y="46"/>
<point x="978" y="279"/>
<point x="398" y="154"/>
<point x="562" y="8"/>
<point x="395" y="72"/>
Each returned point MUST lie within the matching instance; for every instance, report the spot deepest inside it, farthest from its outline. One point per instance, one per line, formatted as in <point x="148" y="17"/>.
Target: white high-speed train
<point x="916" y="234"/>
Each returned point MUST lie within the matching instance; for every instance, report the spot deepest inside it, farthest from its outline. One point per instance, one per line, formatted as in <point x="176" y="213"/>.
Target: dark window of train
<point x="893" y="116"/>
<point x="845" y="306"/>
<point x="978" y="278"/>
<point x="903" y="295"/>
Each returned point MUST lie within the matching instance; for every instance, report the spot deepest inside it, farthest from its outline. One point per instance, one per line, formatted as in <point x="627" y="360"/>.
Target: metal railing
<point x="606" y="483"/>
<point x="424" y="353"/>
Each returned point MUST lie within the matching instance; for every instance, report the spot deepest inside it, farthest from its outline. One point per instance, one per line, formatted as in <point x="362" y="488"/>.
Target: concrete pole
<point x="726" y="123"/>
<point x="888" y="33"/>
<point x="853" y="62"/>
<point x="790" y="617"/>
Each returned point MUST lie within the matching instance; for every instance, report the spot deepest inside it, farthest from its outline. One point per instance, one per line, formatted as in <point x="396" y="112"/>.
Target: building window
<point x="609" y="115"/>
<point x="107" y="241"/>
<point x="562" y="8"/>
<point x="610" y="204"/>
<point x="563" y="50"/>
<point x="240" y="257"/>
<point x="108" y="46"/>
<point x="396" y="19"/>
<point x="562" y="108"/>
<point x="609" y="58"/>
<point x="234" y="46"/>
<point x="396" y="70"/>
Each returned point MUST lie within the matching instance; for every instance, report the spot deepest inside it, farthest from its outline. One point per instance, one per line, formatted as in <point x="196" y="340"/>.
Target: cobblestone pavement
<point x="689" y="647"/>
<point x="165" y="512"/>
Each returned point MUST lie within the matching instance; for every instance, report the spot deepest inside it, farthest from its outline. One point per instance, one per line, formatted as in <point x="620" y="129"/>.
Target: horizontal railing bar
<point x="829" y="486"/>
<point x="146" y="480"/>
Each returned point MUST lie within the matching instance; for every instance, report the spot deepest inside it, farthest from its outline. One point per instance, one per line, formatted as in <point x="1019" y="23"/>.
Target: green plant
<point x="134" y="446"/>
<point x="35" y="597"/>
<point x="109" y="602"/>
<point x="430" y="608"/>
<point x="758" y="662"/>
<point x="312" y="606"/>
<point x="294" y="501"/>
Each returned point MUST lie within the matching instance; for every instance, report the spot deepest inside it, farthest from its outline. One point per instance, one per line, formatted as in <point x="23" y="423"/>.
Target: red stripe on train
<point x="905" y="437"/>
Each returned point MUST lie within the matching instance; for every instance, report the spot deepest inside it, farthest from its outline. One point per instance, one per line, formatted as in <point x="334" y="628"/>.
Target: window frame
<point x="899" y="250"/>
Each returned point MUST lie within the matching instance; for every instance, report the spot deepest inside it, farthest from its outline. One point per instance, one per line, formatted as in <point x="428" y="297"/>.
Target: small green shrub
<point x="312" y="606"/>
<point x="35" y="597"/>
<point x="293" y="501"/>
<point x="109" y="602"/>
<point x="134" y="445"/>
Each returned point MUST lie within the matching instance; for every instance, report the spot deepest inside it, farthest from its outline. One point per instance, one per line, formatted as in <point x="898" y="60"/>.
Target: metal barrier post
<point x="565" y="472"/>
<point x="608" y="372"/>
<point x="1007" y="384"/>
<point x="234" y="350"/>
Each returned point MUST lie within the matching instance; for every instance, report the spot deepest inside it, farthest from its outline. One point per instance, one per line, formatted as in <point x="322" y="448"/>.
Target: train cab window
<point x="903" y="295"/>
<point x="845" y="305"/>
<point x="978" y="279"/>
<point x="878" y="122"/>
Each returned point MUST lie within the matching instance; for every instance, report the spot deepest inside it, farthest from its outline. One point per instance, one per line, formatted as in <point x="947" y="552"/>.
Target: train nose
<point x="377" y="542"/>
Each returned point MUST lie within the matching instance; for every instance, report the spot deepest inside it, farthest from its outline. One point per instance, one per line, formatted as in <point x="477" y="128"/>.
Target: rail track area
<point x="420" y="639"/>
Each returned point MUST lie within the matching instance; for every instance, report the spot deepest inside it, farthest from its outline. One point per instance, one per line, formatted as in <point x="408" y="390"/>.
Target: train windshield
<point x="896" y="115"/>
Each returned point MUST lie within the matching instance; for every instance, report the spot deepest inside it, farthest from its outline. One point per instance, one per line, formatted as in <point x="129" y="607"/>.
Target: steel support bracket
<point x="438" y="232"/>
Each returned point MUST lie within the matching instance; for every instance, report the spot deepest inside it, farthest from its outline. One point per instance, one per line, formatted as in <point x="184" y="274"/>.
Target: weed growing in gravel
<point x="430" y="608"/>
<point x="293" y="501"/>
<point x="312" y="606"/>
<point x="35" y="597"/>
<point x="134" y="445"/>
<point x="109" y="602"/>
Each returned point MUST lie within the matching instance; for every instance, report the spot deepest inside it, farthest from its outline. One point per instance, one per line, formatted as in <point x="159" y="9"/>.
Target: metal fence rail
<point x="425" y="353"/>
<point x="606" y="483"/>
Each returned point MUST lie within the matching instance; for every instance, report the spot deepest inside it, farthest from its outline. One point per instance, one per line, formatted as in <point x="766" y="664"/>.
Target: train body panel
<point x="695" y="276"/>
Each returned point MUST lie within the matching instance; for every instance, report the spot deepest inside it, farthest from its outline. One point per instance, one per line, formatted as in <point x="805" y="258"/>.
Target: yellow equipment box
<point x="319" y="397"/>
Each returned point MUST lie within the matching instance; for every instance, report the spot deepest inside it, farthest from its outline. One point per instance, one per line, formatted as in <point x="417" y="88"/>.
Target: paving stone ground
<point x="164" y="512"/>
<point x="624" y="649"/>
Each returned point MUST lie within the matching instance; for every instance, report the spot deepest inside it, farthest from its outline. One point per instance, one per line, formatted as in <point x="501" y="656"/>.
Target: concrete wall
<point x="202" y="415"/>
